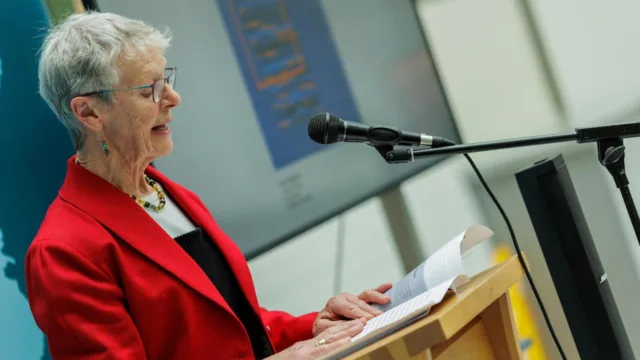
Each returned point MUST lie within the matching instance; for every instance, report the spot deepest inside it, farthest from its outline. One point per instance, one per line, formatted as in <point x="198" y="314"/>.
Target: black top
<point x="204" y="251"/>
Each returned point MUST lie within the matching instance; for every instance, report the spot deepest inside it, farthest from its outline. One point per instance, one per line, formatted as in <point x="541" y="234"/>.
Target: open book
<point x="429" y="282"/>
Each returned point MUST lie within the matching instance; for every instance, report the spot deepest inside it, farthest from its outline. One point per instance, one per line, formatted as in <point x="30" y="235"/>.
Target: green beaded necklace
<point x="144" y="203"/>
<point x="148" y="205"/>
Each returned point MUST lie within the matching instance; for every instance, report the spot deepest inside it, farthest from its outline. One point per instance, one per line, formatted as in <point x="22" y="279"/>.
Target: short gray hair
<point x="80" y="54"/>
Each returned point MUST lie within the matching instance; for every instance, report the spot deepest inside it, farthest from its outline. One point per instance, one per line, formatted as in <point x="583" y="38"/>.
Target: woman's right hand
<point x="326" y="342"/>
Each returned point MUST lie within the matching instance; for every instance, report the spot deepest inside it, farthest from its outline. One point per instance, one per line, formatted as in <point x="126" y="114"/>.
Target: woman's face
<point x="133" y="124"/>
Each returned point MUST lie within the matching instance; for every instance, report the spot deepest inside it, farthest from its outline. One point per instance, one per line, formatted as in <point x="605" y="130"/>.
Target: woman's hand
<point x="324" y="343"/>
<point x="343" y="307"/>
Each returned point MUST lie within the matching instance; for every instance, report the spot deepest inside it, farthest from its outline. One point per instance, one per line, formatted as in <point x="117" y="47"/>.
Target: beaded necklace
<point x="148" y="205"/>
<point x="144" y="203"/>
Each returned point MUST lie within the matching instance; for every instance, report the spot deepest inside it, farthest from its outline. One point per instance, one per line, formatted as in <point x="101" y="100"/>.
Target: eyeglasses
<point x="157" y="86"/>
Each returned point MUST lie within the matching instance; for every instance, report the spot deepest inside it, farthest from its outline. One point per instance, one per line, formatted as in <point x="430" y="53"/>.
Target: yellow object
<point x="530" y="343"/>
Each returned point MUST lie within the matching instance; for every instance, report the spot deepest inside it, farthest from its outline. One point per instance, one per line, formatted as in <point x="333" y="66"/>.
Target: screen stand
<point x="404" y="233"/>
<point x="611" y="156"/>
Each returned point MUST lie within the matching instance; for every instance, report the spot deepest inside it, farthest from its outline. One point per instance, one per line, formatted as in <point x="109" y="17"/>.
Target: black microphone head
<point x="325" y="128"/>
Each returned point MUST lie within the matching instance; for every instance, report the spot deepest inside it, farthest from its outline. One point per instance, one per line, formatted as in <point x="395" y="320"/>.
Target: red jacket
<point x="104" y="281"/>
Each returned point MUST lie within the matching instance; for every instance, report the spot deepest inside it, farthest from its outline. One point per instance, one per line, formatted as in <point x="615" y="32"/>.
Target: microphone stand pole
<point x="609" y="139"/>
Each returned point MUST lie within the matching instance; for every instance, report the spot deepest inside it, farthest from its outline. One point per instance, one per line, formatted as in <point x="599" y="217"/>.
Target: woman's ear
<point x="86" y="111"/>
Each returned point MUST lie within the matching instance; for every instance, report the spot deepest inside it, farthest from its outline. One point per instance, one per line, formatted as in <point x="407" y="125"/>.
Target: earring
<point x="105" y="148"/>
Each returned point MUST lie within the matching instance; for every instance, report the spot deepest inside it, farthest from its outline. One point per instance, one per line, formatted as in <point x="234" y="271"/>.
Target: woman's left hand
<point x="343" y="307"/>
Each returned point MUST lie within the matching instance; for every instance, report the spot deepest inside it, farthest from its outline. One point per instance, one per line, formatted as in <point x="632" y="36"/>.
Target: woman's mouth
<point x="163" y="127"/>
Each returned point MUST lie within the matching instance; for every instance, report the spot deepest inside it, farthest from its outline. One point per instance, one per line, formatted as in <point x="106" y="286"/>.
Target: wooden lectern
<point x="476" y="323"/>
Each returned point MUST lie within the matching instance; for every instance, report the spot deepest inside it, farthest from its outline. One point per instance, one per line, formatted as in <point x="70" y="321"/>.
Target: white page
<point x="420" y="303"/>
<point x="474" y="235"/>
<point x="447" y="263"/>
<point x="412" y="285"/>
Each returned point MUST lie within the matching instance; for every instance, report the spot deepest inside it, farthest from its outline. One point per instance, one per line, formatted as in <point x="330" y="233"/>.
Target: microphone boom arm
<point x="609" y="139"/>
<point x="396" y="156"/>
<point x="600" y="134"/>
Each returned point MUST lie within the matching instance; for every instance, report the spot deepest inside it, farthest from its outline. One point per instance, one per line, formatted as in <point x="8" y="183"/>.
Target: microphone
<point x="328" y="129"/>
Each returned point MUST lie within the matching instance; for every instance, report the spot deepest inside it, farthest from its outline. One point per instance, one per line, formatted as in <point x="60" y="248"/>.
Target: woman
<point x="127" y="263"/>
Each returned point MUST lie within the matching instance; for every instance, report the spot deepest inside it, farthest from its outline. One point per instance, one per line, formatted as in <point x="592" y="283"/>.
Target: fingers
<point x="348" y="330"/>
<point x="336" y="336"/>
<point x="364" y="306"/>
<point x="325" y="349"/>
<point x="350" y="306"/>
<point x="339" y="329"/>
<point x="374" y="297"/>
<point x="340" y="306"/>
<point x="333" y="323"/>
<point x="322" y="324"/>
<point x="354" y="330"/>
<point x="383" y="288"/>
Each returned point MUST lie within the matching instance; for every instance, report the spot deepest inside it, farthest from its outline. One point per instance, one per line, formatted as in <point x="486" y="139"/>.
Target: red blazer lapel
<point x="203" y="218"/>
<point x="116" y="211"/>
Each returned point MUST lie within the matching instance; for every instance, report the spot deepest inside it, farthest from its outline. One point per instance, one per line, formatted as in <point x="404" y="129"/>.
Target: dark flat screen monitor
<point x="571" y="256"/>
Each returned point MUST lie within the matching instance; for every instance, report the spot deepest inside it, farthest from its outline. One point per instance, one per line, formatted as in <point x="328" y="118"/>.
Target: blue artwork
<point x="291" y="69"/>
<point x="20" y="338"/>
<point x="34" y="148"/>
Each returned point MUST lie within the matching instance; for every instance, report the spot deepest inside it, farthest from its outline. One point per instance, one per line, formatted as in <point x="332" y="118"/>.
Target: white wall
<point x="591" y="45"/>
<point x="498" y="88"/>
